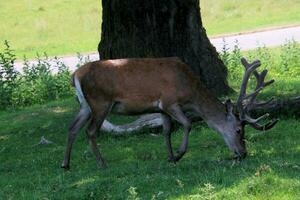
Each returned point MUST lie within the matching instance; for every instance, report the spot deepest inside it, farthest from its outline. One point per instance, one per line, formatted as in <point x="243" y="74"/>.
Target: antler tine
<point x="249" y="68"/>
<point x="262" y="103"/>
<point x="260" y="85"/>
<point x="248" y="65"/>
<point x="254" y="121"/>
<point x="265" y="127"/>
<point x="247" y="102"/>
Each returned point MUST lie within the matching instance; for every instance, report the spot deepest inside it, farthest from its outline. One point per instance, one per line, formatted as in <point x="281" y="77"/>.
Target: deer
<point x="168" y="86"/>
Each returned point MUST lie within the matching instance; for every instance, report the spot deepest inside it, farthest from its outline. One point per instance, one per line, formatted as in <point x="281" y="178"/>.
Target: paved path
<point x="248" y="41"/>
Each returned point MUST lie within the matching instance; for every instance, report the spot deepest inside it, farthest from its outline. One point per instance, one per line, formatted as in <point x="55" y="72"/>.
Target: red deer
<point x="165" y="85"/>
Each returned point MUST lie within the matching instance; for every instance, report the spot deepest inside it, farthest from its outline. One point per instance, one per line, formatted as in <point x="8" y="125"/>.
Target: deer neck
<point x="211" y="110"/>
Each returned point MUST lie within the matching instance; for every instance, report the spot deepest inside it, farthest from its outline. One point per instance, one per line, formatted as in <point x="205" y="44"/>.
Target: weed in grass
<point x="133" y="195"/>
<point x="232" y="61"/>
<point x="225" y="55"/>
<point x="82" y="59"/>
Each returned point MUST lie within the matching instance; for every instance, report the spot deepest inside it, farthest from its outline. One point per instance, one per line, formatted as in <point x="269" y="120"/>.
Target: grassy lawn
<point x="66" y="27"/>
<point x="138" y="165"/>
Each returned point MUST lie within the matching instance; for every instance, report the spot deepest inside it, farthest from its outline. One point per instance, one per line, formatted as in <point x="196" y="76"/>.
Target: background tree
<point x="161" y="28"/>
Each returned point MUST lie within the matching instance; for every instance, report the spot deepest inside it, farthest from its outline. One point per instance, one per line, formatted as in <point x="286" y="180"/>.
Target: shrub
<point x="290" y="58"/>
<point x="37" y="84"/>
<point x="8" y="76"/>
<point x="284" y="61"/>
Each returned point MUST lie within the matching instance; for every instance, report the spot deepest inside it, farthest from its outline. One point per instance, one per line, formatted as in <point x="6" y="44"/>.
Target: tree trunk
<point x="161" y="28"/>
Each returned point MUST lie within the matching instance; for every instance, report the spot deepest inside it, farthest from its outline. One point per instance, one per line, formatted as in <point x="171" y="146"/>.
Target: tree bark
<point x="161" y="28"/>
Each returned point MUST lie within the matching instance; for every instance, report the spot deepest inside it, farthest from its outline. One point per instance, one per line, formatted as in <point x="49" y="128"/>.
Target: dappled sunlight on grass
<point x="4" y="137"/>
<point x="83" y="181"/>
<point x="26" y="116"/>
<point x="59" y="110"/>
<point x="260" y="186"/>
<point x="297" y="148"/>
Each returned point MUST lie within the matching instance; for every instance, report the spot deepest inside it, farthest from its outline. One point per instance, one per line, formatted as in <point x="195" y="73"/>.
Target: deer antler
<point x="247" y="102"/>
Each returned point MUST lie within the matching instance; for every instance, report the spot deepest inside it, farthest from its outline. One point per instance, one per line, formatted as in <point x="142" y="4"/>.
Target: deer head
<point x="238" y="116"/>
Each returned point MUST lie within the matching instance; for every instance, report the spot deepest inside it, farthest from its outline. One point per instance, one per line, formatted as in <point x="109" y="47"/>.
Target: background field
<point x="61" y="27"/>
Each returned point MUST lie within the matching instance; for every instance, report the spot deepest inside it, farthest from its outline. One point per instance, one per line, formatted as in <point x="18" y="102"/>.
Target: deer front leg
<point x="176" y="113"/>
<point x="167" y="129"/>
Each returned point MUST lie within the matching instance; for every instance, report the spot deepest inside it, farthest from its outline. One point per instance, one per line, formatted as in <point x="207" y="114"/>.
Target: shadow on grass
<point x="137" y="164"/>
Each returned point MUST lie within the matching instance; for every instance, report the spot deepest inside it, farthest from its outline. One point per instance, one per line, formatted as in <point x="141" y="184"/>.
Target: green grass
<point x="137" y="164"/>
<point x="228" y="16"/>
<point x="66" y="27"/>
<point x="30" y="171"/>
<point x="56" y="27"/>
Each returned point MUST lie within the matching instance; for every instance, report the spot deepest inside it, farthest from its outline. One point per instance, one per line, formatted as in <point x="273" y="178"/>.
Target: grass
<point x="56" y="27"/>
<point x="138" y="168"/>
<point x="137" y="164"/>
<point x="229" y="16"/>
<point x="66" y="27"/>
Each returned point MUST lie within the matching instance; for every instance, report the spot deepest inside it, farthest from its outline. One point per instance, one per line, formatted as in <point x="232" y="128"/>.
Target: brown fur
<point x="137" y="83"/>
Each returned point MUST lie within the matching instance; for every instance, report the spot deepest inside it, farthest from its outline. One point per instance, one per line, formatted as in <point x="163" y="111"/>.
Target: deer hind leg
<point x="91" y="131"/>
<point x="176" y="113"/>
<point x="80" y="120"/>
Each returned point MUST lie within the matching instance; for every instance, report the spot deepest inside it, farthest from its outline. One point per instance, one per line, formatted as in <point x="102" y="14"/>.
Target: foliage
<point x="290" y="59"/>
<point x="37" y="84"/>
<point x="281" y="62"/>
<point x="8" y="76"/>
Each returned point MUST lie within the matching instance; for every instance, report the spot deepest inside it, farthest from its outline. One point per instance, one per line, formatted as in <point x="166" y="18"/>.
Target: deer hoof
<point x="179" y="156"/>
<point x="101" y="165"/>
<point x="172" y="160"/>
<point x="65" y="167"/>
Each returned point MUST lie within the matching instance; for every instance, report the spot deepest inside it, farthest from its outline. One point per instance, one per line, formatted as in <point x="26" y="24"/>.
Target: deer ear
<point x="229" y="106"/>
